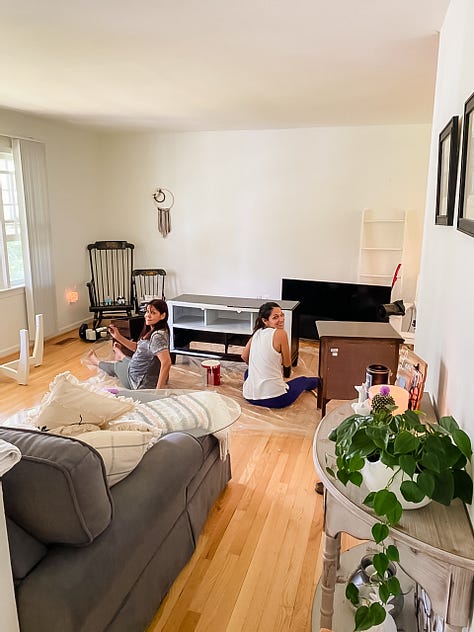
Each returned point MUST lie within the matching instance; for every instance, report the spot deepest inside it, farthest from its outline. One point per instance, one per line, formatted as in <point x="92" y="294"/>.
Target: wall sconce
<point x="72" y="296"/>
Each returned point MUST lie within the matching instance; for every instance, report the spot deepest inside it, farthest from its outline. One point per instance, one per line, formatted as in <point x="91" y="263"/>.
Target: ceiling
<point x="221" y="64"/>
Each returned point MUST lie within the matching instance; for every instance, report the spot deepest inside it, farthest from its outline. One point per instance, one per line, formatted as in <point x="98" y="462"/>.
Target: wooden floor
<point x="258" y="559"/>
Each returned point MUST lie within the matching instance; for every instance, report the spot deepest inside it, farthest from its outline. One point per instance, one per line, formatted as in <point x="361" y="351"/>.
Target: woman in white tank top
<point x="268" y="355"/>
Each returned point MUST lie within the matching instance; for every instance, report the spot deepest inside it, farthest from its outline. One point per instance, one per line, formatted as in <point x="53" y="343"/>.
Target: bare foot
<point x="92" y="358"/>
<point x="118" y="353"/>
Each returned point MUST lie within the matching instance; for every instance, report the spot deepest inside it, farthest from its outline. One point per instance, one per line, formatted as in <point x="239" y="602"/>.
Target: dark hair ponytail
<point x="264" y="313"/>
<point x="162" y="307"/>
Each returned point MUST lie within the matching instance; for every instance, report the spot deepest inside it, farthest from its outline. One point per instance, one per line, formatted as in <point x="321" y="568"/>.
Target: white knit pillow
<point x="121" y="450"/>
<point x="70" y="402"/>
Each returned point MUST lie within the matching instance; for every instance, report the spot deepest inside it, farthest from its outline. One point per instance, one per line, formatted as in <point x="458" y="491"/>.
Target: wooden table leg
<point x="331" y="555"/>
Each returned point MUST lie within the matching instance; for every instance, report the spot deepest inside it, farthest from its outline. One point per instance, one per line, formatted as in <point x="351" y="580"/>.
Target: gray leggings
<point x="117" y="369"/>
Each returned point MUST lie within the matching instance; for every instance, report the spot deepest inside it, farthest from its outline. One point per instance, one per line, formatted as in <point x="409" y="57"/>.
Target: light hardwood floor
<point x="258" y="559"/>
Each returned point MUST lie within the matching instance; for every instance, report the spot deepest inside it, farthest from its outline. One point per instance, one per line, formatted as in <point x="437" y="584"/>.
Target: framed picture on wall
<point x="447" y="173"/>
<point x="466" y="185"/>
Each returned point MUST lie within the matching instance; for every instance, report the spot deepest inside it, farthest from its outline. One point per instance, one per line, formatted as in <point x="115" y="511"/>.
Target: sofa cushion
<point x="64" y="482"/>
<point x="121" y="450"/>
<point x="25" y="551"/>
<point x="69" y="401"/>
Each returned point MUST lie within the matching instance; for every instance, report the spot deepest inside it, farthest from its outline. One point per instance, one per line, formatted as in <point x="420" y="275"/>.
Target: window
<point x="12" y="273"/>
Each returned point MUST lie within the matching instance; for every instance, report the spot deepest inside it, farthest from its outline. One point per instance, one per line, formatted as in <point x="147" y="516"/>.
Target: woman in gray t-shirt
<point x="150" y="363"/>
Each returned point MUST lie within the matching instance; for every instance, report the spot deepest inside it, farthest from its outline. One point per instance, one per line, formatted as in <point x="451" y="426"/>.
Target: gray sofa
<point x="89" y="558"/>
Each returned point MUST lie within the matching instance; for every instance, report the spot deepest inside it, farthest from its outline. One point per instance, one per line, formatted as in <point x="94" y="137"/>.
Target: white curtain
<point x="39" y="277"/>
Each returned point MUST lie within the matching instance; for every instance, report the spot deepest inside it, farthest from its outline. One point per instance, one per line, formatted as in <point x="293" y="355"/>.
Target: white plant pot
<point x="388" y="625"/>
<point x="377" y="475"/>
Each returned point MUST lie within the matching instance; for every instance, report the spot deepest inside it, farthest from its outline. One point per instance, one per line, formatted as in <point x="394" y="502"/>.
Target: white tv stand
<point x="225" y="320"/>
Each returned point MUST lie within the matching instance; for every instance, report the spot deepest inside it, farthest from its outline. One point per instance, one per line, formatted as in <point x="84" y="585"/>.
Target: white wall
<point x="72" y="155"/>
<point x="252" y="207"/>
<point x="445" y="336"/>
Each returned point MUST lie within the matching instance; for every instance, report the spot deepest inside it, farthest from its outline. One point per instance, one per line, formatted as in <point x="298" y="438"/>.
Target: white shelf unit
<point x="211" y="318"/>
<point x="382" y="243"/>
<point x="227" y="321"/>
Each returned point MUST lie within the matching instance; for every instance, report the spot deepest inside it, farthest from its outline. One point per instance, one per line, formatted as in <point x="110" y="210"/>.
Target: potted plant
<point x="428" y="459"/>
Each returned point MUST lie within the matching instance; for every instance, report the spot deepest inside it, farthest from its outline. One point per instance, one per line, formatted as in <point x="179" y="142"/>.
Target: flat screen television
<point x="331" y="300"/>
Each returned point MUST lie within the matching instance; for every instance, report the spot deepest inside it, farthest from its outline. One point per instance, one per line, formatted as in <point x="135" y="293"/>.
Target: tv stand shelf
<point x="223" y="320"/>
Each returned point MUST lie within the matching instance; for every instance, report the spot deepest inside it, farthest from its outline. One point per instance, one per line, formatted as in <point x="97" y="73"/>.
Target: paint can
<point x="213" y="372"/>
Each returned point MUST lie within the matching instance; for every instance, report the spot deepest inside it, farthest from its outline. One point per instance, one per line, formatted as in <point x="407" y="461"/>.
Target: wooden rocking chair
<point x="110" y="288"/>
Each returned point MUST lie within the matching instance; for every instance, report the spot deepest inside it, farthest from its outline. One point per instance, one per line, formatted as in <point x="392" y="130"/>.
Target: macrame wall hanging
<point x="163" y="200"/>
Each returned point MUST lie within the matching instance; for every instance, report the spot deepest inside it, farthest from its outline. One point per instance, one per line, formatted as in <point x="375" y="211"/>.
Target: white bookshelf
<point x="382" y="243"/>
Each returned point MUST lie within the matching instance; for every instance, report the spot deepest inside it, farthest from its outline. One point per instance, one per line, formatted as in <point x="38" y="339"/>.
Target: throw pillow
<point x="70" y="401"/>
<point x="204" y="411"/>
<point x="121" y="450"/>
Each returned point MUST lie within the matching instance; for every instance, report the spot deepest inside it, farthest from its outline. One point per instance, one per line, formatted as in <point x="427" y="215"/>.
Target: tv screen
<point x="331" y="300"/>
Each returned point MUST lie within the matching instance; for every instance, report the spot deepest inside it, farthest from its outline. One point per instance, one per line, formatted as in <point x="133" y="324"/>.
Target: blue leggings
<point x="296" y="386"/>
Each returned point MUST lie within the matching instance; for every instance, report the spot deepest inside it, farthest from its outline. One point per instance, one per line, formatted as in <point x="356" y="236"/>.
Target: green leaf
<point x="384" y="592"/>
<point x="343" y="476"/>
<point x="380" y="562"/>
<point x="352" y="593"/>
<point x="361" y="444"/>
<point x="356" y="463"/>
<point x="366" y="618"/>
<point x="449" y="424"/>
<point x="369" y="500"/>
<point x="389" y="460"/>
<point x="394" y="515"/>
<point x="392" y="553"/>
<point x="463" y="442"/>
<point x="431" y="462"/>
<point x="355" y="478"/>
<point x="411" y="492"/>
<point x="408" y="464"/>
<point x="379" y="436"/>
<point x="412" y="418"/>
<point x="393" y="586"/>
<point x="379" y="532"/>
<point x="330" y="471"/>
<point x="462" y="486"/>
<point x="444" y="488"/>
<point x="426" y="482"/>
<point x="452" y="454"/>
<point x="406" y="442"/>
<point x="384" y="501"/>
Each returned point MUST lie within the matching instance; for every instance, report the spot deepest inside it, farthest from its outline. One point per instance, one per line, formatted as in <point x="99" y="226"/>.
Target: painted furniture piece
<point x="345" y="351"/>
<point x="147" y="283"/>
<point x="110" y="287"/>
<point x="224" y="320"/>
<point x="19" y="370"/>
<point x="436" y="543"/>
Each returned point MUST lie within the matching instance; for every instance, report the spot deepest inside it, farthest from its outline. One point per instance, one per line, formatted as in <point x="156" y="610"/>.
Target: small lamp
<point x="72" y="296"/>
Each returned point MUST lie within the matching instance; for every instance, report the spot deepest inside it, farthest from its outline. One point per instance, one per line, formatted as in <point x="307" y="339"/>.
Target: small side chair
<point x="148" y="282"/>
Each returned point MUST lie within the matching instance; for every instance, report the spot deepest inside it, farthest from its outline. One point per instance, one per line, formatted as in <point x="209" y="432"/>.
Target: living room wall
<point x="445" y="337"/>
<point x="252" y="207"/>
<point x="73" y="166"/>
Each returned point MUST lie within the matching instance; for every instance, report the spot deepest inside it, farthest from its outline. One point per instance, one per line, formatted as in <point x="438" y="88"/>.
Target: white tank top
<point x="265" y="372"/>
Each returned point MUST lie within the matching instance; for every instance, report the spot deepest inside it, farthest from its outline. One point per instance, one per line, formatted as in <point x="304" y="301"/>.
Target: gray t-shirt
<point x="144" y="367"/>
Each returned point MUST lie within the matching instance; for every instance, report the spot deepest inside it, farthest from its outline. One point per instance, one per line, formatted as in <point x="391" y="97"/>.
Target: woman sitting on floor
<point x="150" y="363"/>
<point x="265" y="353"/>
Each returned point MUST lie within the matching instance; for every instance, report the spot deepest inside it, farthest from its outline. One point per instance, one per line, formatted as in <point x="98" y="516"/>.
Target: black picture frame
<point x="466" y="184"/>
<point x="447" y="172"/>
